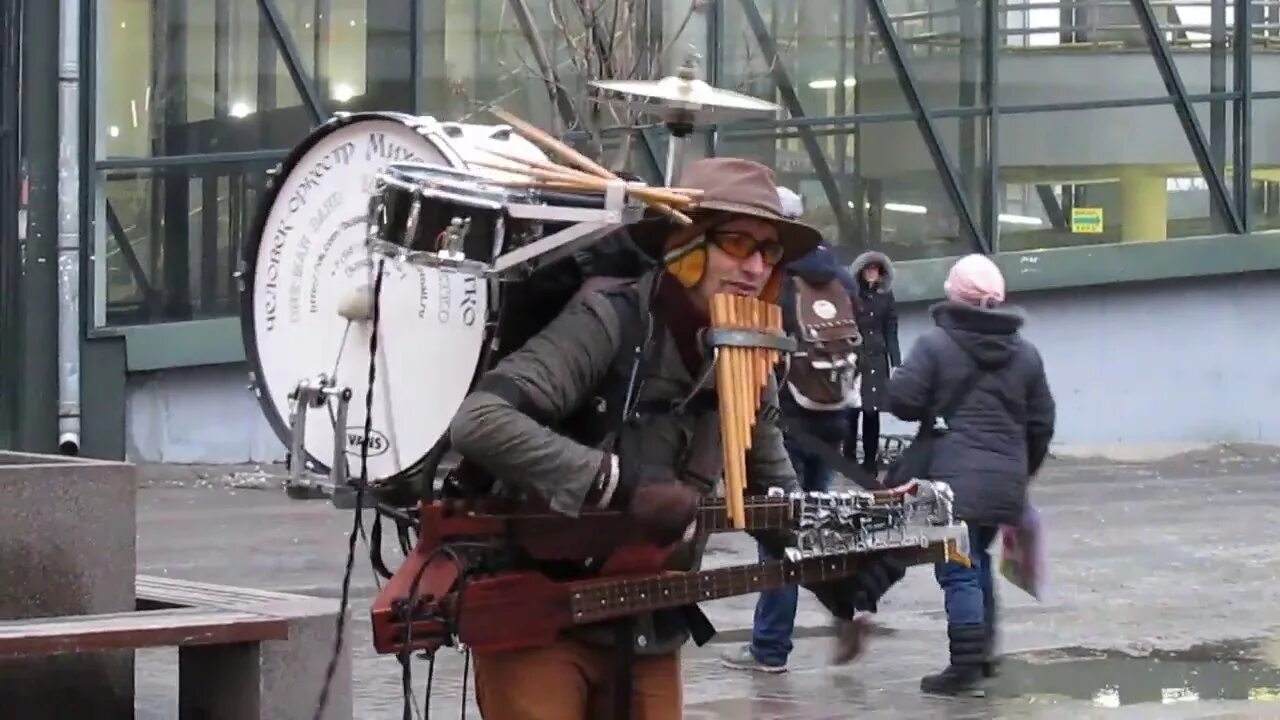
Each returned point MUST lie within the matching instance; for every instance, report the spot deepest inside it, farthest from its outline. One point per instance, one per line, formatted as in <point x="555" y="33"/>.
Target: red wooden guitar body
<point x="542" y="610"/>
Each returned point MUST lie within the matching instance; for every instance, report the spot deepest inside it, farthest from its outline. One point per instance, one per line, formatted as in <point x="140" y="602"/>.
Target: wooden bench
<point x="237" y="647"/>
<point x="178" y="627"/>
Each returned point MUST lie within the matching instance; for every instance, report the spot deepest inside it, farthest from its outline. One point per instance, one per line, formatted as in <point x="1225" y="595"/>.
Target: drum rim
<point x="248" y="272"/>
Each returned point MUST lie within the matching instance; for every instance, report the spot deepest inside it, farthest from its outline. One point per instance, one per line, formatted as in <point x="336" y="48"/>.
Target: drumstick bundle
<point x="741" y="376"/>
<point x="585" y="175"/>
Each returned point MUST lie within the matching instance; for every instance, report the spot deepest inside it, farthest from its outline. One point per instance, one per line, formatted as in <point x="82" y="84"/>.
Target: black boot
<point x="964" y="675"/>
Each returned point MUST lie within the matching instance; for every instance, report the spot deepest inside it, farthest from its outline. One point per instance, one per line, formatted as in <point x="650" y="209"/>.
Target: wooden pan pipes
<point x="748" y="338"/>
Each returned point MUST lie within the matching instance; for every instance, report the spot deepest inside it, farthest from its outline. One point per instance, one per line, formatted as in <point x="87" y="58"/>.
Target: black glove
<point x="664" y="508"/>
<point x="665" y="511"/>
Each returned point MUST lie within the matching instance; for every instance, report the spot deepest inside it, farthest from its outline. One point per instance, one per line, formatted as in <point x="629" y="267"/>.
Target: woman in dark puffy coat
<point x="994" y="441"/>
<point x="878" y="323"/>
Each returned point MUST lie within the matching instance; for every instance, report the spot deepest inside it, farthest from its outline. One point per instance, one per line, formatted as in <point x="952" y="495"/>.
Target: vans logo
<point x="378" y="443"/>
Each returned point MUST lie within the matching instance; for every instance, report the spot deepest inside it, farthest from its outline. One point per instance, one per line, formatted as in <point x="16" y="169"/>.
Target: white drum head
<point x="310" y="254"/>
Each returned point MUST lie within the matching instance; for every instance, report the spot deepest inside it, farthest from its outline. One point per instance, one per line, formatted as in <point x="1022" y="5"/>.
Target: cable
<point x="426" y="697"/>
<point x="357" y="524"/>
<point x="466" y="671"/>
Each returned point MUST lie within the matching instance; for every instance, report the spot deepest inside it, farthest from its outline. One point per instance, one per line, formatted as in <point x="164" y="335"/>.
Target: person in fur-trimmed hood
<point x="878" y="323"/>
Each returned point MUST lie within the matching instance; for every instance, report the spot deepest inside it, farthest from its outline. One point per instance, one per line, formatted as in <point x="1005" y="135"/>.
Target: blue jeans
<point x="968" y="591"/>
<point x="775" y="617"/>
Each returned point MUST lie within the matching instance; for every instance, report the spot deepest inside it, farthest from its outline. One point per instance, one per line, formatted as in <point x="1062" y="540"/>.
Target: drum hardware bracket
<point x="550" y="248"/>
<point x="310" y="394"/>
<point x="591" y="224"/>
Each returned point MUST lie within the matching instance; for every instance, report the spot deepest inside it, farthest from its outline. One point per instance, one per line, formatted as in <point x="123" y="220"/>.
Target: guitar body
<point x="532" y="609"/>
<point x="536" y="606"/>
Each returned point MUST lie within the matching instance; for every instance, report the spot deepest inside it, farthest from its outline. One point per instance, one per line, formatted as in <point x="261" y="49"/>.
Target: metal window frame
<point x="1220" y="200"/>
<point x="1242" y="115"/>
<point x="791" y="100"/>
<point x="924" y="121"/>
<point x="288" y="48"/>
<point x="991" y="98"/>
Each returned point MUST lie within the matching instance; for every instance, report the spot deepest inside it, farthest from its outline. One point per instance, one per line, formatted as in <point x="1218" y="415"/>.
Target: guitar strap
<point x="829" y="454"/>
<point x="624" y="665"/>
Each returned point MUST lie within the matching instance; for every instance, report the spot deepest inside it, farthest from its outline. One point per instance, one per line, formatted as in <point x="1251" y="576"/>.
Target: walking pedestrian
<point x="819" y="312"/>
<point x="986" y="386"/>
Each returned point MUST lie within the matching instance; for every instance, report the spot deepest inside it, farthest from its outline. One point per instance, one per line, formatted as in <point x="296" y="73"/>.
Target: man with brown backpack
<point x="820" y="386"/>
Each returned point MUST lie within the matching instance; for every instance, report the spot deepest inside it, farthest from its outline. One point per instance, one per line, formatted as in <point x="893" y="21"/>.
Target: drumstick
<point x="681" y="195"/>
<point x="544" y="171"/>
<point x="588" y="182"/>
<point x="552" y="145"/>
<point x="539" y="163"/>
<point x="556" y="147"/>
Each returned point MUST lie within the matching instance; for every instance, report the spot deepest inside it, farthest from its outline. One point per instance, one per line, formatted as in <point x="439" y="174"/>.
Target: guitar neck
<point x="596" y="600"/>
<point x="761" y="514"/>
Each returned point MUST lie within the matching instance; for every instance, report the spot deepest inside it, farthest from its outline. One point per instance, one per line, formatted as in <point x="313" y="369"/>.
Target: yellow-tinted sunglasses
<point x="742" y="246"/>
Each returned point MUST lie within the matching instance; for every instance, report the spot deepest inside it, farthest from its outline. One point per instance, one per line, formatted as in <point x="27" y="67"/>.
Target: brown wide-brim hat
<point x="728" y="185"/>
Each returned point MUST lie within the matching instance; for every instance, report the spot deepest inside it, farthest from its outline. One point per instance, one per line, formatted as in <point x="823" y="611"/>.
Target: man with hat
<point x="612" y="406"/>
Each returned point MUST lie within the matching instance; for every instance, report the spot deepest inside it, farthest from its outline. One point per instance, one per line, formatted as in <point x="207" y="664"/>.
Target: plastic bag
<point x="1022" y="554"/>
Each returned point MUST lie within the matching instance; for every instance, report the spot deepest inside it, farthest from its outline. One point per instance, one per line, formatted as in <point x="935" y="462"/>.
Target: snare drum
<point x="308" y="250"/>
<point x="435" y="215"/>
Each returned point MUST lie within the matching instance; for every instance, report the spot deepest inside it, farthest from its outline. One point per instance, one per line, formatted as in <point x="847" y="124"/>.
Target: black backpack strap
<point x="829" y="454"/>
<point x="643" y="342"/>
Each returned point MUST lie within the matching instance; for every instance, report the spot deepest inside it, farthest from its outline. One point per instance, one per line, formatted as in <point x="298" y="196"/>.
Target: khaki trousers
<point x="571" y="680"/>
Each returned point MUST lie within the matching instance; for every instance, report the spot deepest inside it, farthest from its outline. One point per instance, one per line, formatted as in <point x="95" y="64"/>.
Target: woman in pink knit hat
<point x="981" y="387"/>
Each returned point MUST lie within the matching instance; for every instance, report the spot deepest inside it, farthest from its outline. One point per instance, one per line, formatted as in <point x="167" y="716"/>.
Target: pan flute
<point x="747" y="339"/>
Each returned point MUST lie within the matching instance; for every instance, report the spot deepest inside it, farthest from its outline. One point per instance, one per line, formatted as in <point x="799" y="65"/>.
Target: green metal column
<point x="10" y="46"/>
<point x="37" y="366"/>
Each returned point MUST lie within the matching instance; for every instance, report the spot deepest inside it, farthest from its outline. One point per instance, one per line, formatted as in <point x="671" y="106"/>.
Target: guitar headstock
<point x="850" y="521"/>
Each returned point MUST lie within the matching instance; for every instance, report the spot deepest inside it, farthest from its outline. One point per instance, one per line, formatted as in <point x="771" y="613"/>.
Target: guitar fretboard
<point x="593" y="601"/>
<point x="761" y="514"/>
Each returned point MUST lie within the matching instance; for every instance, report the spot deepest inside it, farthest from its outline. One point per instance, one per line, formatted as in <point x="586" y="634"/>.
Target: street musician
<point x="612" y="406"/>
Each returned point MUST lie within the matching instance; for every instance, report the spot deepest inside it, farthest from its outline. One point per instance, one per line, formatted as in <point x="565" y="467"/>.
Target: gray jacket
<point x="563" y="366"/>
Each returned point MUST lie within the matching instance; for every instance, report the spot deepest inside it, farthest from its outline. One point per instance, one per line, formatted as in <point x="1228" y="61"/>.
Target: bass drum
<point x="308" y="251"/>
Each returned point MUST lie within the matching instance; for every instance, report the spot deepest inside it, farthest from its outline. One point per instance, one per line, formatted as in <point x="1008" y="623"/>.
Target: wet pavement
<point x="1162" y="602"/>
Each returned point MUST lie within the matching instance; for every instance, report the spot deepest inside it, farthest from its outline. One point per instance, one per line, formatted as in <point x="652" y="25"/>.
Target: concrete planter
<point x="68" y="546"/>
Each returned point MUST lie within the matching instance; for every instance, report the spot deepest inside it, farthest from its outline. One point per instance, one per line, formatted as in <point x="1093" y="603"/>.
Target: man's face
<point x="741" y="255"/>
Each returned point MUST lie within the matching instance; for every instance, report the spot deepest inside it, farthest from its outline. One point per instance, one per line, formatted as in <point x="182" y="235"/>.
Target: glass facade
<point x="924" y="128"/>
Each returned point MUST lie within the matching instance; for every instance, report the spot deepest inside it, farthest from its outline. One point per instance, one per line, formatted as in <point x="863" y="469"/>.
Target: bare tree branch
<point x="587" y="40"/>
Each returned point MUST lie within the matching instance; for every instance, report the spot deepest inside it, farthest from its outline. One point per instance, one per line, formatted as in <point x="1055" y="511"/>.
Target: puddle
<point x="1108" y="678"/>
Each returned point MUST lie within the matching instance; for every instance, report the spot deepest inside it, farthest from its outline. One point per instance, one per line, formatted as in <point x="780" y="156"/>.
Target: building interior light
<point x="114" y="131"/>
<point x="343" y="92"/>
<point x="240" y="109"/>
<point x="1020" y="219"/>
<point x="830" y="83"/>
<point x="906" y="208"/>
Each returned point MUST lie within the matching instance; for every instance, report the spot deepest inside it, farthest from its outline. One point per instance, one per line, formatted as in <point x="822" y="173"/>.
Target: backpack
<point x="822" y="373"/>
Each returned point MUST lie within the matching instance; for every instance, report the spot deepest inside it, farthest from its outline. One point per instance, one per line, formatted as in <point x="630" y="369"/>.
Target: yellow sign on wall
<point x="1086" y="220"/>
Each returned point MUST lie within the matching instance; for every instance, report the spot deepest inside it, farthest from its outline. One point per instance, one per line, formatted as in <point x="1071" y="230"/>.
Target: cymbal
<point x="687" y="97"/>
